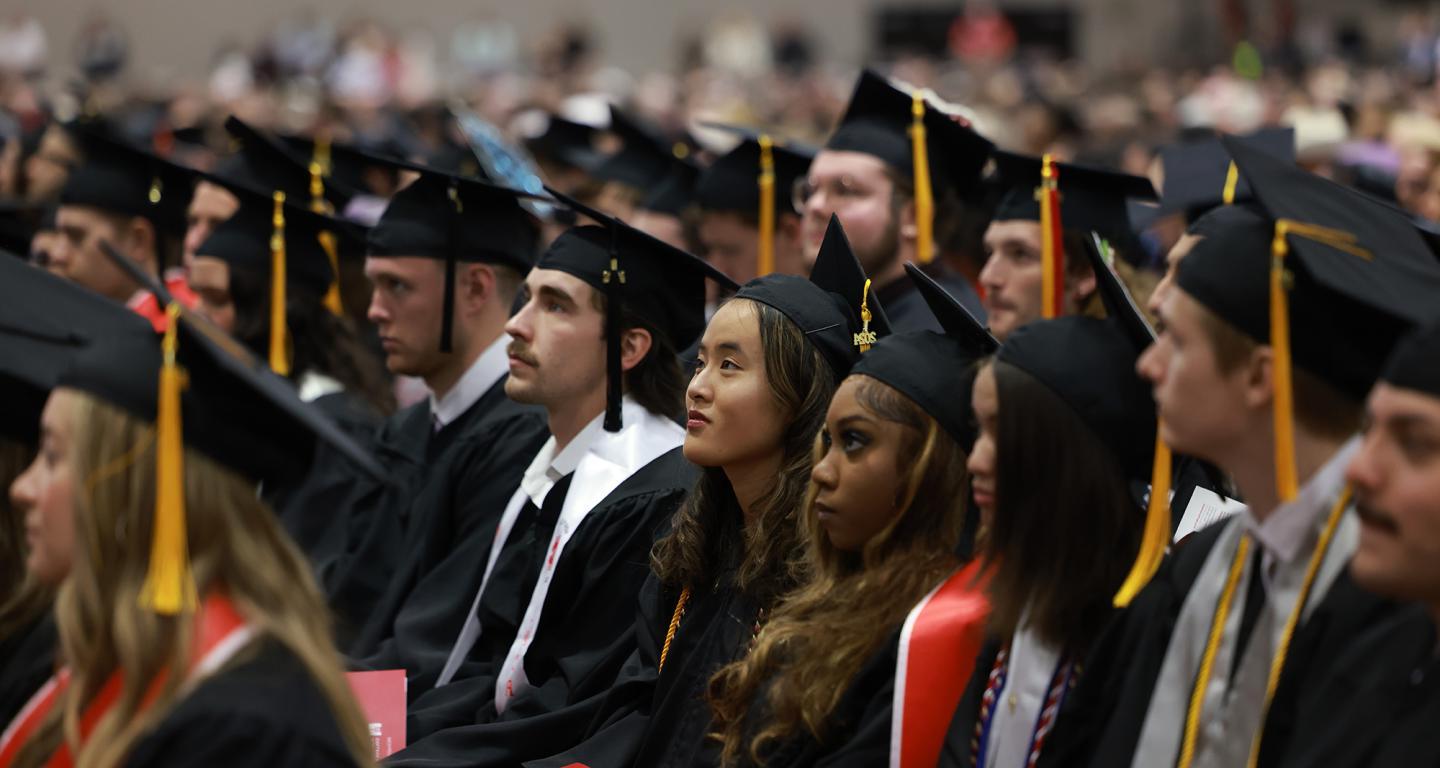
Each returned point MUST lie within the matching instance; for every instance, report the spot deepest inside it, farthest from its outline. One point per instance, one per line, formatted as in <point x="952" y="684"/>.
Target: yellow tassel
<point x="1232" y="178"/>
<point x="319" y="169"/>
<point x="332" y="294"/>
<point x="924" y="195"/>
<point x="279" y="352"/>
<point x="765" y="262"/>
<point x="169" y="585"/>
<point x="1157" y="528"/>
<point x="866" y="337"/>
<point x="1051" y="253"/>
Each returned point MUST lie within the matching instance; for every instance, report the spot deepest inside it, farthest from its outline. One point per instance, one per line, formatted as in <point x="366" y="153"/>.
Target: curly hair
<point x="824" y="632"/>
<point x="706" y="535"/>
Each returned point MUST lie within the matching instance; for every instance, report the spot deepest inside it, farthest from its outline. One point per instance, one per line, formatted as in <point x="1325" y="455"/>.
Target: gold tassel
<point x="1232" y="178"/>
<point x="169" y="585"/>
<point x="1157" y="527"/>
<point x="1052" y="248"/>
<point x="924" y="195"/>
<point x="319" y="169"/>
<point x="866" y="337"/>
<point x="279" y="352"/>
<point x="765" y="263"/>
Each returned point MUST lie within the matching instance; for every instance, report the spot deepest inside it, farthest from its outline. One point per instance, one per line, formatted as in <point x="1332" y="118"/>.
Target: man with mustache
<point x="445" y="261"/>
<point x="594" y="343"/>
<point x="1380" y="704"/>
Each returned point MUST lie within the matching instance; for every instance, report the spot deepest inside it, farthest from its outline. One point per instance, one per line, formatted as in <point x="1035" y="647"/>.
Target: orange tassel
<point x="765" y="261"/>
<point x="279" y="338"/>
<point x="924" y="194"/>
<point x="1156" y="536"/>
<point x="169" y="585"/>
<point x="1052" y="245"/>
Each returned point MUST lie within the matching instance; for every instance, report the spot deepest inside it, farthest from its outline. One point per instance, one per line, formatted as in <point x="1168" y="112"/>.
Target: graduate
<point x="272" y="252"/>
<point x="749" y="225"/>
<point x="768" y="364"/>
<point x="137" y="202"/>
<point x="896" y="198"/>
<point x="1262" y="371"/>
<point x="885" y="515"/>
<point x="571" y="549"/>
<point x="191" y="629"/>
<point x="1060" y="398"/>
<point x="1030" y="273"/>
<point x="44" y="322"/>
<point x="446" y="260"/>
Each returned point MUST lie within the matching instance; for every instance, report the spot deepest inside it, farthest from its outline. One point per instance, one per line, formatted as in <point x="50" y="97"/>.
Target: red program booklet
<point x="382" y="700"/>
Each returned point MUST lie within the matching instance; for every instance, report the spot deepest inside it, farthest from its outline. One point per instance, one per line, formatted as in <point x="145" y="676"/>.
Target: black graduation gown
<point x="447" y="519"/>
<point x="27" y="660"/>
<point x="584" y="636"/>
<point x="906" y="308"/>
<point x="1101" y="719"/>
<point x="313" y="510"/>
<point x="263" y="711"/>
<point x="1380" y="704"/>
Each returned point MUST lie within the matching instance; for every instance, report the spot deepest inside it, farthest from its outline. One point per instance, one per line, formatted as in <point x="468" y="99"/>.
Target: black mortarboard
<point x="265" y="165"/>
<point x="1091" y="199"/>
<point x="1415" y="363"/>
<point x="674" y="192"/>
<point x="566" y="142"/>
<point x="638" y="274"/>
<point x="18" y="224"/>
<point x="203" y="389"/>
<point x="121" y="178"/>
<point x="1199" y="175"/>
<point x="645" y="157"/>
<point x="1350" y="274"/>
<point x="338" y="164"/>
<point x="934" y="369"/>
<point x="830" y="308"/>
<point x="456" y="218"/>
<point x="44" y="322"/>
<point x="732" y="182"/>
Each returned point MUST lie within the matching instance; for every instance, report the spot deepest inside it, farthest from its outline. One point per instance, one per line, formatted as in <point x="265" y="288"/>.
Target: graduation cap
<point x="121" y="178"/>
<point x="455" y="218"/>
<point x="835" y="308"/>
<point x="1350" y="273"/>
<point x="931" y="149"/>
<point x="929" y="367"/>
<point x="1200" y="175"/>
<point x="202" y="389"/>
<point x="45" y="321"/>
<point x="756" y="177"/>
<point x="269" y="236"/>
<point x="638" y="274"/>
<point x="1093" y="200"/>
<point x="336" y="161"/>
<point x="645" y="156"/>
<point x="19" y="222"/>
<point x="266" y="165"/>
<point x="565" y="142"/>
<point x="674" y="193"/>
<point x="1415" y="363"/>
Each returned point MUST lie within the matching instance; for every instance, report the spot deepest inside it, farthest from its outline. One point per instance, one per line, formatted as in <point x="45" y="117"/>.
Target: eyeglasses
<point x="842" y="188"/>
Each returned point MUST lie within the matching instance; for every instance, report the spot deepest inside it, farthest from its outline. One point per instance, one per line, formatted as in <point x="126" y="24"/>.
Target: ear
<point x="142" y="244"/>
<point x="1080" y="286"/>
<point x="635" y="343"/>
<point x="475" y="287"/>
<point x="1259" y="377"/>
<point x="908" y="229"/>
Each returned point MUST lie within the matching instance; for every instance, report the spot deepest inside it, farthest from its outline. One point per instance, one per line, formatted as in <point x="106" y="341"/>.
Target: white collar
<point x="488" y="368"/>
<point x="548" y="467"/>
<point x="313" y="385"/>
<point x="1285" y="531"/>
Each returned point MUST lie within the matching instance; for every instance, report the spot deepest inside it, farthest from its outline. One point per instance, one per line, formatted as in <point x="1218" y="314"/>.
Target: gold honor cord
<point x="674" y="626"/>
<point x="279" y="352"/>
<point x="765" y="261"/>
<point x="924" y="193"/>
<point x="169" y="585"/>
<point x="1277" y="664"/>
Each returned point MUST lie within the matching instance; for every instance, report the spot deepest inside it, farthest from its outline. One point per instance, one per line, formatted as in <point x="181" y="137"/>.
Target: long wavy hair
<point x="1065" y="528"/>
<point x="824" y="632"/>
<point x="707" y="535"/>
<point x="234" y="544"/>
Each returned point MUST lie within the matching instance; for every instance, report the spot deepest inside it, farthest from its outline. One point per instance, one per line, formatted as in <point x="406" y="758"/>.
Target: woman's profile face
<point x="45" y="494"/>
<point x="733" y="418"/>
<point x="985" y="401"/>
<point x="858" y="475"/>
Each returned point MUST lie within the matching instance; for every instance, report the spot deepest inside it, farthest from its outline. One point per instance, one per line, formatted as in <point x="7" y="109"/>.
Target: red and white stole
<point x="220" y="633"/>
<point x="938" y="645"/>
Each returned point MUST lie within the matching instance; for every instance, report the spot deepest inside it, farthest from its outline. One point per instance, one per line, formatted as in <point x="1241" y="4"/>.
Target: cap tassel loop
<point x="319" y="168"/>
<point x="765" y="263"/>
<point x="1287" y="485"/>
<point x="866" y="337"/>
<point x="1052" y="244"/>
<point x="279" y="336"/>
<point x="452" y="256"/>
<point x="1232" y="180"/>
<point x="169" y="584"/>
<point x="1156" y="536"/>
<point x="613" y="279"/>
<point x="924" y="193"/>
